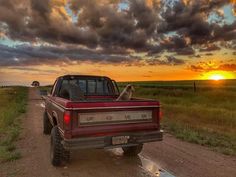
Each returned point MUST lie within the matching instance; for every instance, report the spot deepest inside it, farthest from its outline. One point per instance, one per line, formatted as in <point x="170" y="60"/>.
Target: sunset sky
<point x="127" y="40"/>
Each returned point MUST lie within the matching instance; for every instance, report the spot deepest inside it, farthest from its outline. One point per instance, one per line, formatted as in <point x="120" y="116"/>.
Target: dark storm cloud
<point x="169" y="60"/>
<point x="190" y="20"/>
<point x="185" y="51"/>
<point x="42" y="8"/>
<point x="209" y="54"/>
<point x="174" y="61"/>
<point x="12" y="17"/>
<point x="198" y="56"/>
<point x="176" y="44"/>
<point x="28" y="55"/>
<point x="31" y="20"/>
<point x="209" y="48"/>
<point x="129" y="29"/>
<point x="166" y="26"/>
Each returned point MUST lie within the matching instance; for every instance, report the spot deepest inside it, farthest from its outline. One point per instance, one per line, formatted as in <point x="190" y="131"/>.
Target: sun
<point x="216" y="77"/>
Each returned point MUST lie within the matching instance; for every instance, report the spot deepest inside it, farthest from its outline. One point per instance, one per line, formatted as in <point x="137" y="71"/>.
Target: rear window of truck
<point x="93" y="86"/>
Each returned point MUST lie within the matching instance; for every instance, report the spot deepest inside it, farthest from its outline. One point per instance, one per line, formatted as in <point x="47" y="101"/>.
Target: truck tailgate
<point x="109" y="118"/>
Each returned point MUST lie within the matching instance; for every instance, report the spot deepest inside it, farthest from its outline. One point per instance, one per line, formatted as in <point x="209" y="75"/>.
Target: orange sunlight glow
<point x="218" y="75"/>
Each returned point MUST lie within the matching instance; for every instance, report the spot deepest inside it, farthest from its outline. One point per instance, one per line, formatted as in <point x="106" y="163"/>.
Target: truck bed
<point x="103" y="103"/>
<point x="106" y="108"/>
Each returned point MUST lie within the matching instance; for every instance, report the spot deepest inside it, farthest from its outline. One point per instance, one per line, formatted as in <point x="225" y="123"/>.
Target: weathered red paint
<point x="68" y="111"/>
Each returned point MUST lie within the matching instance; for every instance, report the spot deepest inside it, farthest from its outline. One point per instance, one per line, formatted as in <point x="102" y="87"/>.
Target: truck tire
<point x="56" y="149"/>
<point x="47" y="126"/>
<point x="66" y="155"/>
<point x="132" y="150"/>
<point x="57" y="152"/>
<point x="72" y="92"/>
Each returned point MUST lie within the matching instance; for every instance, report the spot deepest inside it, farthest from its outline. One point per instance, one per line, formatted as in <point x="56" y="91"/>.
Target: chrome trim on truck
<point x="98" y="108"/>
<point x="115" y="107"/>
<point x="95" y="118"/>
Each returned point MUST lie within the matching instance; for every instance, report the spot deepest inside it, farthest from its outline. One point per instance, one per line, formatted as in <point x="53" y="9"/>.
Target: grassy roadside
<point x="12" y="103"/>
<point x="207" y="117"/>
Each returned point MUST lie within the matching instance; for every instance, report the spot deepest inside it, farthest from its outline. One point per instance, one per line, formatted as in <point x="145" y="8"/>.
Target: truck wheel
<point x="56" y="149"/>
<point x="47" y="126"/>
<point x="66" y="155"/>
<point x="132" y="150"/>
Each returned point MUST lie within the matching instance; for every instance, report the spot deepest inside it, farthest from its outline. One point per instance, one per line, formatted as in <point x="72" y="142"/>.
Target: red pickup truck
<point x="83" y="112"/>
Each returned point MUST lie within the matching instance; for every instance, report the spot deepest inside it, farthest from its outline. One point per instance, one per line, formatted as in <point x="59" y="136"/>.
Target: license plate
<point x="120" y="140"/>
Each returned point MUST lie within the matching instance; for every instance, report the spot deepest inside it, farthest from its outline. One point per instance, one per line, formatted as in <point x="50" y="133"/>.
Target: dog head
<point x="130" y="88"/>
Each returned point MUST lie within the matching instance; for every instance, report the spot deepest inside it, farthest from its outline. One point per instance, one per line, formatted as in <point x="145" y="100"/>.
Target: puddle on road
<point x="153" y="168"/>
<point x="146" y="164"/>
<point x="112" y="162"/>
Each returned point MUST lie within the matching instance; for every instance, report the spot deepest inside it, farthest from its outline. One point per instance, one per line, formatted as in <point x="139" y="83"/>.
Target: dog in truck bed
<point x="127" y="93"/>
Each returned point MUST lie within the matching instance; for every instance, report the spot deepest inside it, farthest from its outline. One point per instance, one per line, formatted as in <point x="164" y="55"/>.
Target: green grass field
<point x="206" y="117"/>
<point x="12" y="104"/>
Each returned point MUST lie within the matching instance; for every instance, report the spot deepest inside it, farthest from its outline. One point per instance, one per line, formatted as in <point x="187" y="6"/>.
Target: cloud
<point x="209" y="48"/>
<point x="227" y="67"/>
<point x="197" y="68"/>
<point x="179" y="27"/>
<point x="209" y="54"/>
<point x="185" y="51"/>
<point x="37" y="55"/>
<point x="211" y="66"/>
<point x="168" y="60"/>
<point x="26" y="55"/>
<point x="190" y="20"/>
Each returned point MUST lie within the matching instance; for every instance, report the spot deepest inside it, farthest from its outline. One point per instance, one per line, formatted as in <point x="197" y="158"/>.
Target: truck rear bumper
<point x="106" y="141"/>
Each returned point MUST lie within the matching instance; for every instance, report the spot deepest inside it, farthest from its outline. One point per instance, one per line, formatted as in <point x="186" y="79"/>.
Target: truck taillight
<point x="67" y="118"/>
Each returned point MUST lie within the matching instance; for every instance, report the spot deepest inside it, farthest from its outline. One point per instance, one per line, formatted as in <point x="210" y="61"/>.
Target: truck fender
<point x="55" y="118"/>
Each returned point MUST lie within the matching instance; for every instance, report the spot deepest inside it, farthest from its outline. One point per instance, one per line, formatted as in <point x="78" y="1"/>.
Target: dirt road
<point x="169" y="158"/>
